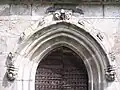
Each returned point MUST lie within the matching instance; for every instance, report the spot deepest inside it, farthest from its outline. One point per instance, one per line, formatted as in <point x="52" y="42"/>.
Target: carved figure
<point x="11" y="70"/>
<point x="110" y="74"/>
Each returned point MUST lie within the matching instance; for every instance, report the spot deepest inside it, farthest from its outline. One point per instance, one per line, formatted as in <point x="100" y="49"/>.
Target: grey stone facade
<point x="16" y="18"/>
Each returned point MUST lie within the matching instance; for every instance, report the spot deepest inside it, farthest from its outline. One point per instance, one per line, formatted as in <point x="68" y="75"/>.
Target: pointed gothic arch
<point x="41" y="42"/>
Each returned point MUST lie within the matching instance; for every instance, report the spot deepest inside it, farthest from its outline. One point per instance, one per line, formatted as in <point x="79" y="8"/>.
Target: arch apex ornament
<point x="62" y="15"/>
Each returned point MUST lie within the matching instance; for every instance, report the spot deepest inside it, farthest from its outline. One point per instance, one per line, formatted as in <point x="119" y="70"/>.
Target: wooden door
<point x="61" y="69"/>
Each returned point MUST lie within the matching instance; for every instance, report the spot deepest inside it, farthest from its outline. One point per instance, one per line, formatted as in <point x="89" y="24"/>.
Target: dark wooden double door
<point x="61" y="69"/>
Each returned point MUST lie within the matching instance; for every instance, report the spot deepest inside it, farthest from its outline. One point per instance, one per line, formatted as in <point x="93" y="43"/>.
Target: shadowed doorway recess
<point x="61" y="69"/>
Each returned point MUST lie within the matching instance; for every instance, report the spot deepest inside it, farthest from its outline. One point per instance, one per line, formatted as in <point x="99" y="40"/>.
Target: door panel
<point x="62" y="69"/>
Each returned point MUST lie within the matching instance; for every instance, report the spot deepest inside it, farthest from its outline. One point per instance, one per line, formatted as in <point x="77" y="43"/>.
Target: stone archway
<point x="40" y="43"/>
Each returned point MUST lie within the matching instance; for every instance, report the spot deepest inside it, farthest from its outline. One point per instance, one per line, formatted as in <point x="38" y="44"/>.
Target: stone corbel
<point x="110" y="73"/>
<point x="11" y="69"/>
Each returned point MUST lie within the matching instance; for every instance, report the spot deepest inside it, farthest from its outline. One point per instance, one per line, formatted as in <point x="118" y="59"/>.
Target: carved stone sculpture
<point x="21" y="37"/>
<point x="110" y="74"/>
<point x="62" y="15"/>
<point x="11" y="70"/>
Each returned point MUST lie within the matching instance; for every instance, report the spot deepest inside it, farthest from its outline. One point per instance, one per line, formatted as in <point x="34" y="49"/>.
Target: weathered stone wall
<point x="16" y="18"/>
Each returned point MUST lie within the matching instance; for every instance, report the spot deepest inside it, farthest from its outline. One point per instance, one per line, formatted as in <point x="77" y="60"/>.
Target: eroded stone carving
<point x="110" y="73"/>
<point x="11" y="69"/>
<point x="22" y="35"/>
<point x="112" y="56"/>
<point x="81" y="22"/>
<point x="100" y="36"/>
<point x="9" y="59"/>
<point x="62" y="15"/>
<point x="11" y="72"/>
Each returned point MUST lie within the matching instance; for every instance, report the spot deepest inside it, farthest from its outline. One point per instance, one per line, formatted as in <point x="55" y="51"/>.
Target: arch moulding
<point x="50" y="34"/>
